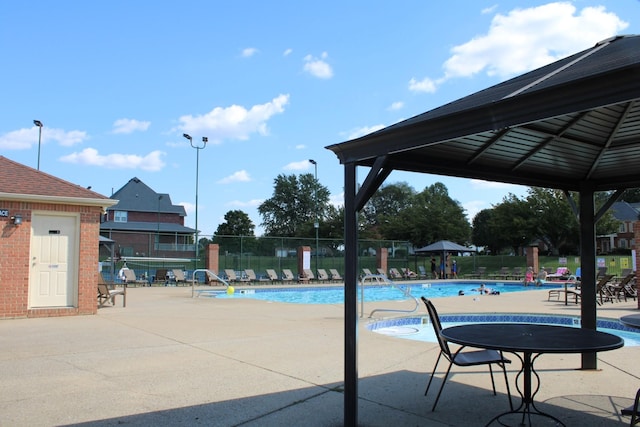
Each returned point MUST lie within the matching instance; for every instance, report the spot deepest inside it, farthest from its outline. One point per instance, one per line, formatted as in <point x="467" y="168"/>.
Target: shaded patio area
<point x="169" y="359"/>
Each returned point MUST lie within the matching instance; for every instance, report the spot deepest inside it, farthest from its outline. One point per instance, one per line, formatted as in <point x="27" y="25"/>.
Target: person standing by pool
<point x="447" y="267"/>
<point x="454" y="269"/>
<point x="434" y="272"/>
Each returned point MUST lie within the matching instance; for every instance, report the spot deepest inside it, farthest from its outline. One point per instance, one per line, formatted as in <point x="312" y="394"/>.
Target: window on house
<point x="120" y="216"/>
<point x="622" y="227"/>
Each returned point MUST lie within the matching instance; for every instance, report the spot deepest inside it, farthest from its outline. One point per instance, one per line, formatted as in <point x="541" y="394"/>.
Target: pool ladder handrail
<point x="382" y="279"/>
<point x="211" y="273"/>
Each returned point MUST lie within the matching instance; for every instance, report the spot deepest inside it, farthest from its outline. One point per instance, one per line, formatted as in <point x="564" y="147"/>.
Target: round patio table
<point x="530" y="339"/>
<point x="632" y="320"/>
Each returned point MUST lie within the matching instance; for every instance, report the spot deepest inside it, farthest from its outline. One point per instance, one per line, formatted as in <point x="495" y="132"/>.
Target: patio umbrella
<point x="444" y="246"/>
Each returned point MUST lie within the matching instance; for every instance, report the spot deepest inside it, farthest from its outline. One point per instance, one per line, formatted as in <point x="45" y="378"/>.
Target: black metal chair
<point x="633" y="410"/>
<point x="460" y="358"/>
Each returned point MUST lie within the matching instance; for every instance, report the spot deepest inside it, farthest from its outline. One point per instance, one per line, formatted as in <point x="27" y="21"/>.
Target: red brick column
<point x="212" y="257"/>
<point x="381" y="258"/>
<point x="532" y="258"/>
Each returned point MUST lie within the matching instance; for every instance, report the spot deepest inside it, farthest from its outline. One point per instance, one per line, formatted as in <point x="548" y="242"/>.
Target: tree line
<point x="398" y="212"/>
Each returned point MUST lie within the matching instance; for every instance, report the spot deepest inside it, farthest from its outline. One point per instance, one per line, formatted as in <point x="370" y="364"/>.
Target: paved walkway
<point x="168" y="359"/>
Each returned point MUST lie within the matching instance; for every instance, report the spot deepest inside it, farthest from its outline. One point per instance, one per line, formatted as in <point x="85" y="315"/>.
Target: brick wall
<point x="15" y="265"/>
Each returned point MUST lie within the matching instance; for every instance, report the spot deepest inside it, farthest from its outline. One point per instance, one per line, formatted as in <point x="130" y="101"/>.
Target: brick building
<point x="49" y="244"/>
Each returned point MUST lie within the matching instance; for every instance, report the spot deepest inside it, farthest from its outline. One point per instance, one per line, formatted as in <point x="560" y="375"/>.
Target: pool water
<point x="372" y="293"/>
<point x="419" y="328"/>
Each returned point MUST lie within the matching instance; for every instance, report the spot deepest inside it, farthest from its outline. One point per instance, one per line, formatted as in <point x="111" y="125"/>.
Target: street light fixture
<point x="316" y="224"/>
<point x="198" y="148"/>
<point x="39" y="124"/>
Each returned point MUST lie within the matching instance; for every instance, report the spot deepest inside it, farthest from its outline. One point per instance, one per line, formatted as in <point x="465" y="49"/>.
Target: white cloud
<point x="337" y="200"/>
<point x="302" y="165"/>
<point x="189" y="208"/>
<point x="398" y="105"/>
<point x="362" y="131"/>
<point x="491" y="185"/>
<point x="244" y="204"/>
<point x="152" y="162"/>
<point x="425" y="85"/>
<point x="489" y="9"/>
<point x="472" y="208"/>
<point x="287" y="52"/>
<point x="249" y="52"/>
<point x="300" y="147"/>
<point x="239" y="176"/>
<point x="234" y="122"/>
<point x="525" y="39"/>
<point x="129" y="126"/>
<point x="318" y="67"/>
<point x="23" y="139"/>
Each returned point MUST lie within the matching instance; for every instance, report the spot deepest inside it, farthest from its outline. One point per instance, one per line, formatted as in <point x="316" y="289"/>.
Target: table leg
<point x="527" y="407"/>
<point x="566" y="295"/>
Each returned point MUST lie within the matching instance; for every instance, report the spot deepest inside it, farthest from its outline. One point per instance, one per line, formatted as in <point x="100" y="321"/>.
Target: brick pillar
<point x="212" y="257"/>
<point x="304" y="259"/>
<point x="636" y="261"/>
<point x="381" y="258"/>
<point x="532" y="259"/>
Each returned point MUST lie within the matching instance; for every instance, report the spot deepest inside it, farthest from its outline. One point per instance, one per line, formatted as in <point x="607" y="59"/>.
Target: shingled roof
<point x="18" y="181"/>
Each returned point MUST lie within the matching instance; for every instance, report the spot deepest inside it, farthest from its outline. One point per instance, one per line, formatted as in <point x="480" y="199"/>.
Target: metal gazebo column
<point x="350" y="297"/>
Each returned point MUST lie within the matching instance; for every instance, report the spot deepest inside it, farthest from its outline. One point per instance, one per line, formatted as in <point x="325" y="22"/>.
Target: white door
<point x="54" y="257"/>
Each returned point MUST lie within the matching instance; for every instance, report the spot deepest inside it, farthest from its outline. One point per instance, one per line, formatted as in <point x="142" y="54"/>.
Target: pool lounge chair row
<point x="249" y="276"/>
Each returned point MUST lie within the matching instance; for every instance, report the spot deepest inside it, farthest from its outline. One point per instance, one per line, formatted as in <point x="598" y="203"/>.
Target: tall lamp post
<point x="39" y="124"/>
<point x="316" y="224"/>
<point x="198" y="148"/>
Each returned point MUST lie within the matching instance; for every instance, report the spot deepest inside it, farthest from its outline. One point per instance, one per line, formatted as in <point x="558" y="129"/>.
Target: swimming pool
<point x="419" y="328"/>
<point x="372" y="293"/>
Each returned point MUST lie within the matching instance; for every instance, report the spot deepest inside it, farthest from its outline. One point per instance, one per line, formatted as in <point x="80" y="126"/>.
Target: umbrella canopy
<point x="444" y="246"/>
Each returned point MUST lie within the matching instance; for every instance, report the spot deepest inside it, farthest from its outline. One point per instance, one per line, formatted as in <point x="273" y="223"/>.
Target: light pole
<point x="316" y="224"/>
<point x="39" y="124"/>
<point x="198" y="148"/>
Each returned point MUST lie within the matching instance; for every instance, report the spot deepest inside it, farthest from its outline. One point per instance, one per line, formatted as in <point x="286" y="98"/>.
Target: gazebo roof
<point x="573" y="121"/>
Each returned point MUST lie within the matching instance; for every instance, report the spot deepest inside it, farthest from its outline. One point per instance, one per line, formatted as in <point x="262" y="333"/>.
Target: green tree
<point x="484" y="232"/>
<point x="292" y="209"/>
<point x="431" y="216"/>
<point x="236" y="223"/>
<point x="383" y="206"/>
<point x="631" y="195"/>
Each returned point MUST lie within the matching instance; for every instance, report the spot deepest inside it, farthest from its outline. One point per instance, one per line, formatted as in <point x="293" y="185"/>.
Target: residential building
<point x="627" y="214"/>
<point x="144" y="223"/>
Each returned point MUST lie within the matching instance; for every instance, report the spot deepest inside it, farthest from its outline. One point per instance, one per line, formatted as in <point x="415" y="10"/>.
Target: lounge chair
<point x="560" y="274"/>
<point x="516" y="274"/>
<point x="322" y="275"/>
<point x="367" y="272"/>
<point x="161" y="275"/>
<point x="335" y="276"/>
<point x="287" y="275"/>
<point x="306" y="276"/>
<point x="130" y="278"/>
<point x="504" y="273"/>
<point x="272" y="275"/>
<point x="394" y="273"/>
<point x="107" y="292"/>
<point x="251" y="276"/>
<point x="178" y="276"/>
<point x="381" y="272"/>
<point x="233" y="277"/>
<point x="479" y="273"/>
<point x="463" y="358"/>
<point x="422" y="272"/>
<point x="602" y="291"/>
<point x="623" y="288"/>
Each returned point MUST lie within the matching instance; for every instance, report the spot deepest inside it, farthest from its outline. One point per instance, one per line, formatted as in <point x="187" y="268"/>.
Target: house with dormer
<point x="147" y="224"/>
<point x="627" y="214"/>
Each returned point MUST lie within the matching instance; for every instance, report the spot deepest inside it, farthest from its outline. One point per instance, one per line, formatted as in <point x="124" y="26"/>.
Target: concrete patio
<point x="169" y="359"/>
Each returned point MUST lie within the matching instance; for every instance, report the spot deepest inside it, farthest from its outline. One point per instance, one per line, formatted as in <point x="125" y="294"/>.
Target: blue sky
<point x="270" y="84"/>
